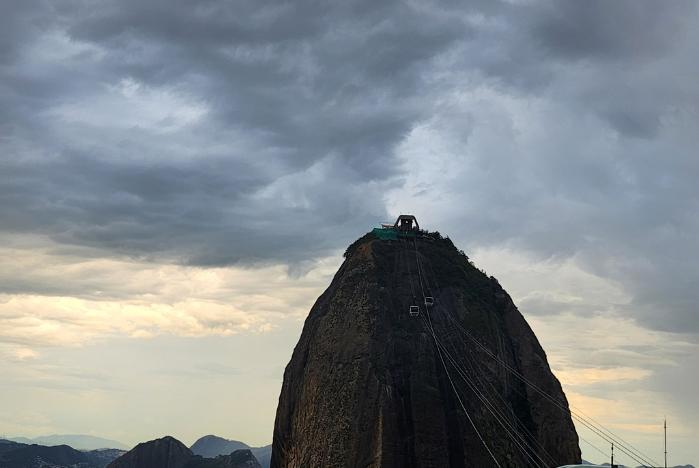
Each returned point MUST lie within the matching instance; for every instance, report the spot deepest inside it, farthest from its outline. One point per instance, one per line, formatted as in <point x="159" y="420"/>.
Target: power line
<point x="461" y="403"/>
<point x="588" y="422"/>
<point x="474" y="366"/>
<point x="511" y="431"/>
<point x="578" y="415"/>
<point x="463" y="407"/>
<point x="601" y="432"/>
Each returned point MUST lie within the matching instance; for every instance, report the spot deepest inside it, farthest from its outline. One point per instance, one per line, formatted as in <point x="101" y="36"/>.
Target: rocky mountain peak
<point x="372" y="383"/>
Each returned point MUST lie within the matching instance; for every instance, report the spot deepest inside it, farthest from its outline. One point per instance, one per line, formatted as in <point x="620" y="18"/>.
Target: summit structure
<point x="413" y="357"/>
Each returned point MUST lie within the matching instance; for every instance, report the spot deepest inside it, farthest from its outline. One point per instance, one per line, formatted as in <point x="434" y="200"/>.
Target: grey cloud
<point x="624" y="30"/>
<point x="681" y="384"/>
<point x="629" y="217"/>
<point x="634" y="124"/>
<point x="612" y="180"/>
<point x="19" y="21"/>
<point x="305" y="105"/>
<point x="309" y="85"/>
<point x="194" y="213"/>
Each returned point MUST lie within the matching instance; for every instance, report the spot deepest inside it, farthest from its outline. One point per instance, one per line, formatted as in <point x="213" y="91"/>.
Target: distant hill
<point x="19" y="455"/>
<point x="169" y="452"/>
<point x="263" y="455"/>
<point x="212" y="446"/>
<point x="166" y="452"/>
<point x="8" y="445"/>
<point x="103" y="457"/>
<point x="76" y="441"/>
<point x="21" y="440"/>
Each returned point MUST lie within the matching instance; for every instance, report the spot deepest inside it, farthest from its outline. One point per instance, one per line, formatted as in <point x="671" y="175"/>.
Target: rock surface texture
<point x="369" y="386"/>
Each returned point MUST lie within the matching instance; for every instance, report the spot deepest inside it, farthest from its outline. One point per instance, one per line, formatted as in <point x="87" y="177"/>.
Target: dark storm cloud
<point x="625" y="211"/>
<point x="314" y="78"/>
<point x="626" y="30"/>
<point x="317" y="93"/>
<point x="624" y="203"/>
<point x="630" y="43"/>
<point x="212" y="132"/>
<point x="194" y="212"/>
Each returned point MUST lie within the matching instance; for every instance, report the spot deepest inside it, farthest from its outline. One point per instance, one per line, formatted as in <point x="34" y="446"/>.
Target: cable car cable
<point x="458" y="397"/>
<point x="510" y="430"/>
<point x="599" y="431"/>
<point x="463" y="407"/>
<point x="605" y="434"/>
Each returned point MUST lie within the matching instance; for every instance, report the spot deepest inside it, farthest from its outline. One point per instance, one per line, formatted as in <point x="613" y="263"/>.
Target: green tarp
<point x="391" y="233"/>
<point x="386" y="234"/>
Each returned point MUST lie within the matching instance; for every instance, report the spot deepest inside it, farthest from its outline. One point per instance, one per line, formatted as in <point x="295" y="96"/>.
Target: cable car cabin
<point x="429" y="301"/>
<point x="414" y="311"/>
<point x="406" y="223"/>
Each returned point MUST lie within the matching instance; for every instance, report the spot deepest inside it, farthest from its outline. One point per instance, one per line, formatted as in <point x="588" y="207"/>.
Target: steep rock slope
<point x="366" y="385"/>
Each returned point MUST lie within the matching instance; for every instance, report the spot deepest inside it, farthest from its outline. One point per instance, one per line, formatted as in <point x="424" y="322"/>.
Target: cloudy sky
<point x="178" y="180"/>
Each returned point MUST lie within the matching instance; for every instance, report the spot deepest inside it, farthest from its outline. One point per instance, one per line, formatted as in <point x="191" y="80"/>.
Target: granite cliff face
<point x="366" y="385"/>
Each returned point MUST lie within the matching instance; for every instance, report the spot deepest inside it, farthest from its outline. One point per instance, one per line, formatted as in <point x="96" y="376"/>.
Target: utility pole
<point x="612" y="465"/>
<point x="665" y="434"/>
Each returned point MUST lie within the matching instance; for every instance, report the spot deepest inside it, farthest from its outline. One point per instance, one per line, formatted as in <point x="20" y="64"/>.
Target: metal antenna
<point x="665" y="433"/>
<point x="611" y="464"/>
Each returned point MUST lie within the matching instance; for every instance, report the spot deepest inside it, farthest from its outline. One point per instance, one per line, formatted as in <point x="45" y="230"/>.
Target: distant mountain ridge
<point x="168" y="452"/>
<point x="15" y="454"/>
<point x="19" y="455"/>
<point x="76" y="441"/>
<point x="207" y="452"/>
<point x="212" y="446"/>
